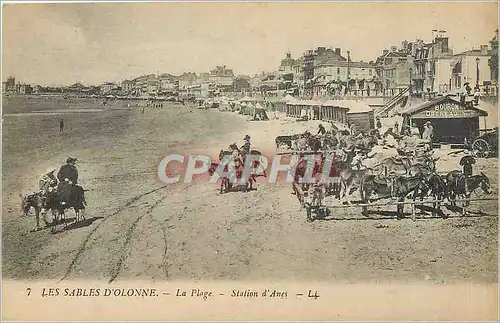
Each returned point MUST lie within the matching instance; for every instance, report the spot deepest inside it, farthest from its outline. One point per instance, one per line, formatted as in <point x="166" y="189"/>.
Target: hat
<point x="247" y="137"/>
<point x="428" y="122"/>
<point x="71" y="160"/>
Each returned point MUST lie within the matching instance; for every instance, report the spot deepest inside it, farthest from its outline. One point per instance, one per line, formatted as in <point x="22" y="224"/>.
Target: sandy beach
<point x="139" y="228"/>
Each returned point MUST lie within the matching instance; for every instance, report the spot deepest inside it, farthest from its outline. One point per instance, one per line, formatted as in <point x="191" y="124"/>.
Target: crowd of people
<point x="408" y="138"/>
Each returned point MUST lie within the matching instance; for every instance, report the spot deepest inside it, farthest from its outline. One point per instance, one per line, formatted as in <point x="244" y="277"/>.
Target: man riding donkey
<point x="68" y="177"/>
<point x="245" y="149"/>
<point x="239" y="154"/>
<point x="50" y="187"/>
<point x="466" y="162"/>
<point x="321" y="130"/>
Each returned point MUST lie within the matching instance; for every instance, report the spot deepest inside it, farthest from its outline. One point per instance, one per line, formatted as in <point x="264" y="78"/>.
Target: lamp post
<point x="477" y="73"/>
<point x="348" y="70"/>
<point x="411" y="70"/>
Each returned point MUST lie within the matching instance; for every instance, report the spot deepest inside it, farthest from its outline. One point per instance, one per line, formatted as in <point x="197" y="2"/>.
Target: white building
<point x="471" y="66"/>
<point x="167" y="85"/>
<point x="108" y="87"/>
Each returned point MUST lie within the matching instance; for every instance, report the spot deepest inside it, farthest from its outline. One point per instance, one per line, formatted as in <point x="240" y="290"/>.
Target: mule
<point x="313" y="201"/>
<point x="330" y="143"/>
<point x="226" y="182"/>
<point x="456" y="182"/>
<point x="400" y="188"/>
<point x="400" y="165"/>
<point x="225" y="185"/>
<point x="258" y="162"/>
<point x="350" y="172"/>
<point x="283" y="142"/>
<point x="314" y="143"/>
<point x="438" y="190"/>
<point x="34" y="201"/>
<point x="422" y="164"/>
<point x="59" y="201"/>
<point x="366" y="143"/>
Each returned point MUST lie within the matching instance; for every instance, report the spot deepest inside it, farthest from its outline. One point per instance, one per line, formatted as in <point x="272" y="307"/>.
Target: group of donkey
<point x="329" y="141"/>
<point x="394" y="177"/>
<point x="56" y="202"/>
<point x="226" y="183"/>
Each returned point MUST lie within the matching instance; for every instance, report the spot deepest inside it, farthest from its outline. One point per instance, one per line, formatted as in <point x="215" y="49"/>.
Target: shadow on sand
<point x="239" y="188"/>
<point x="426" y="213"/>
<point x="76" y="225"/>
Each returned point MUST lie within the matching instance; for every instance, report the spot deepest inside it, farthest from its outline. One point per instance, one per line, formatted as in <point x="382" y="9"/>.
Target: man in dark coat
<point x="68" y="172"/>
<point x="466" y="162"/>
<point x="321" y="130"/>
<point x="245" y="149"/>
<point x="68" y="177"/>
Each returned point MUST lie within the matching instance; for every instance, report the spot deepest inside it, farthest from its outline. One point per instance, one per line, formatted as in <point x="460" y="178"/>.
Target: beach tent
<point x="247" y="109"/>
<point x="260" y="106"/>
<point x="224" y="106"/>
<point x="287" y="98"/>
<point x="360" y="114"/>
<point x="259" y="113"/>
<point x="243" y="108"/>
<point x="250" y="109"/>
<point x="245" y="99"/>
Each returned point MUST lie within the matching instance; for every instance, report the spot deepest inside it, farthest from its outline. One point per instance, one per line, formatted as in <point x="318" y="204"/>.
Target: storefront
<point x="452" y="120"/>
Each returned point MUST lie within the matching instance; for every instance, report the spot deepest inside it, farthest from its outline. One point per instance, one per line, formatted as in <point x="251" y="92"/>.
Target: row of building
<point x="10" y="86"/>
<point x="418" y="66"/>
<point x="423" y="67"/>
<point x="219" y="80"/>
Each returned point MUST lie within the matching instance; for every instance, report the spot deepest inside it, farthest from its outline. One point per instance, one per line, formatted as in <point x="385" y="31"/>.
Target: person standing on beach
<point x="476" y="96"/>
<point x="466" y="162"/>
<point x="61" y="126"/>
<point x="321" y="130"/>
<point x="415" y="131"/>
<point x="428" y="134"/>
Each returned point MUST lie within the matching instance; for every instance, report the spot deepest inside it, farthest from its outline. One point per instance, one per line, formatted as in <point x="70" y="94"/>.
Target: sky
<point x="60" y="44"/>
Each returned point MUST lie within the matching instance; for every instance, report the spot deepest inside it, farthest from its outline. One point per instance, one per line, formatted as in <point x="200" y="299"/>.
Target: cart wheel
<point x="480" y="148"/>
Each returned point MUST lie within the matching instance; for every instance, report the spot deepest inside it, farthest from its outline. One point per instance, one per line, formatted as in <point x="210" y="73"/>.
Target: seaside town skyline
<point x="424" y="67"/>
<point x="199" y="39"/>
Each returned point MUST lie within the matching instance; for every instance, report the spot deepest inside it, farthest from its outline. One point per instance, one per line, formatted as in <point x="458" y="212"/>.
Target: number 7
<point x="29" y="291"/>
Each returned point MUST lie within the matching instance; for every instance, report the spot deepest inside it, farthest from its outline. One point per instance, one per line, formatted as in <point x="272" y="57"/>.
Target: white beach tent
<point x="287" y="98"/>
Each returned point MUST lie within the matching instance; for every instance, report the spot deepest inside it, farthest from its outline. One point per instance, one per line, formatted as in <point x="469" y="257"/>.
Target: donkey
<point x="34" y="201"/>
<point x="401" y="187"/>
<point x="460" y="185"/>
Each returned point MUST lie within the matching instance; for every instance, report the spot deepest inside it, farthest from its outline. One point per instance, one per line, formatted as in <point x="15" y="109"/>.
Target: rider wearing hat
<point x="68" y="177"/>
<point x="466" y="162"/>
<point x="321" y="130"/>
<point x="245" y="149"/>
<point x="68" y="173"/>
